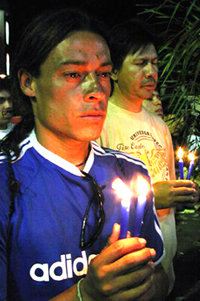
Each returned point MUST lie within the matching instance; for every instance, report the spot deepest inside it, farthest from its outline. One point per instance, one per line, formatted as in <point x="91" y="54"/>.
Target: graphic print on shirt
<point x="62" y="269"/>
<point x="146" y="147"/>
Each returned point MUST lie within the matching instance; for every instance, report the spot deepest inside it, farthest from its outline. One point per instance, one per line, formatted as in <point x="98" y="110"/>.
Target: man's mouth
<point x="95" y="114"/>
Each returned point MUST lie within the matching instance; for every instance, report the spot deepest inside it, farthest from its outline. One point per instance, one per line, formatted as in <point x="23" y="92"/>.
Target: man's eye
<point x="73" y="75"/>
<point x="105" y="74"/>
<point x="139" y="63"/>
<point x="2" y="100"/>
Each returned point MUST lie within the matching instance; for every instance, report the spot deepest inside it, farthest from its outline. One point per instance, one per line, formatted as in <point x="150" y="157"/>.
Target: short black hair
<point x="128" y="37"/>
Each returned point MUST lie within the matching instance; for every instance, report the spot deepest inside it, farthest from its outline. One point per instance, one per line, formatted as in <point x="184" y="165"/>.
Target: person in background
<point x="59" y="231"/>
<point x="130" y="128"/>
<point x="6" y="107"/>
<point x="154" y="104"/>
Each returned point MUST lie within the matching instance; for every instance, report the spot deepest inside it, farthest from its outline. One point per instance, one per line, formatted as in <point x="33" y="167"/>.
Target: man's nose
<point x="150" y="70"/>
<point x="92" y="88"/>
<point x="7" y="104"/>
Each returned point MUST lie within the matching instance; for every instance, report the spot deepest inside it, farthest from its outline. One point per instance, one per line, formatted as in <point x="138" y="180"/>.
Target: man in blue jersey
<point x="59" y="236"/>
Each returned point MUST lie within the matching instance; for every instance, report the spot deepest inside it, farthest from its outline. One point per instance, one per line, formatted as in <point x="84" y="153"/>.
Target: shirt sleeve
<point x="170" y="155"/>
<point x="4" y="222"/>
<point x="150" y="229"/>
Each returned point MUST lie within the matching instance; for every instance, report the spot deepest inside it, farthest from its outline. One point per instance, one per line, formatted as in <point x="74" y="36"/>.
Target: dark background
<point x="20" y="12"/>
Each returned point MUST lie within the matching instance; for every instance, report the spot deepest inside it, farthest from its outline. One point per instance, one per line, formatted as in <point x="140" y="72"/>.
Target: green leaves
<point x="179" y="58"/>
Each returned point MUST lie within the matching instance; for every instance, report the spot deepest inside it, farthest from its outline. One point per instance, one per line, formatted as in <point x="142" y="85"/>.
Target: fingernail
<point x="153" y="252"/>
<point x="142" y="241"/>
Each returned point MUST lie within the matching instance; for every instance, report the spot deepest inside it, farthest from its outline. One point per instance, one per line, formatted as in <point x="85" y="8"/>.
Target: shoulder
<point x="111" y="156"/>
<point x="156" y="119"/>
<point x="23" y="147"/>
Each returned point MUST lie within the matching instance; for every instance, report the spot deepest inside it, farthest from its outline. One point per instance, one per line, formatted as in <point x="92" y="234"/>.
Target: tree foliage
<point x="179" y="57"/>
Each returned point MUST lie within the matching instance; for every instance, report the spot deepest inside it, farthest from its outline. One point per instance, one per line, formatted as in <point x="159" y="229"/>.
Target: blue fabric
<point x="44" y="254"/>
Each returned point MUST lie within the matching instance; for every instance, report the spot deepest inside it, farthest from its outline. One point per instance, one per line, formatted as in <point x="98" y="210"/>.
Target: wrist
<point x="79" y="294"/>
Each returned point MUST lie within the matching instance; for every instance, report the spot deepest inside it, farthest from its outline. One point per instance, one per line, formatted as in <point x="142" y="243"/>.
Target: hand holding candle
<point x="191" y="158"/>
<point x="125" y="194"/>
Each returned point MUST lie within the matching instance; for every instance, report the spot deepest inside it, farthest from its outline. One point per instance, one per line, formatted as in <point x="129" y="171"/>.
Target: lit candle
<point x="180" y="156"/>
<point x="191" y="158"/>
<point x="142" y="189"/>
<point x="125" y="194"/>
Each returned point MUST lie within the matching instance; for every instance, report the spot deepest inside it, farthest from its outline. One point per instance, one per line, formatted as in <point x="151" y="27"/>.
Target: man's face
<point x="138" y="75"/>
<point x="73" y="88"/>
<point x="6" y="108"/>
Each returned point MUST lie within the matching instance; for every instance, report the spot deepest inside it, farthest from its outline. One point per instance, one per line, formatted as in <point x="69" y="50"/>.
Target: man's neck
<point x="131" y="103"/>
<point x="75" y="152"/>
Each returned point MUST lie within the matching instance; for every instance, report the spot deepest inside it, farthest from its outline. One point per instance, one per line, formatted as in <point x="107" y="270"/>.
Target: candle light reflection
<point x="142" y="190"/>
<point x="191" y="158"/>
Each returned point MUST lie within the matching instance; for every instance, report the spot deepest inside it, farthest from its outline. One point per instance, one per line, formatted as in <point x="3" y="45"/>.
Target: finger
<point x="118" y="249"/>
<point x="128" y="234"/>
<point x="132" y="279"/>
<point x="185" y="200"/>
<point x="182" y="183"/>
<point x="135" y="292"/>
<point x="115" y="234"/>
<point x="132" y="260"/>
<point x="184" y="191"/>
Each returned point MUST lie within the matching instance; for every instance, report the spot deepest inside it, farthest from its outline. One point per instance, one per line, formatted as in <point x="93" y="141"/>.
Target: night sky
<point x="110" y="11"/>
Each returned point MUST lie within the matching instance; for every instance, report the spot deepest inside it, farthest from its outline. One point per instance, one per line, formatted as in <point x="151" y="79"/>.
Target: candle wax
<point x="190" y="170"/>
<point x="181" y="169"/>
<point x="139" y="214"/>
<point x="124" y="222"/>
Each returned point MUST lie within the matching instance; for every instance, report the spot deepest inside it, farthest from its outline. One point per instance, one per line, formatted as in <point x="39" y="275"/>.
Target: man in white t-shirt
<point x="130" y="128"/>
<point x="6" y="107"/>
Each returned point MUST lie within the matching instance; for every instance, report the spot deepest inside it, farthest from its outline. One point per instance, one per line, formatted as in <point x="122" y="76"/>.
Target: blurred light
<point x="7" y="32"/>
<point x="7" y="64"/>
<point x="3" y="75"/>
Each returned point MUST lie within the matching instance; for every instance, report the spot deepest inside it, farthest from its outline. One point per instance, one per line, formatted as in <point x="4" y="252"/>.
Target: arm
<point x="173" y="192"/>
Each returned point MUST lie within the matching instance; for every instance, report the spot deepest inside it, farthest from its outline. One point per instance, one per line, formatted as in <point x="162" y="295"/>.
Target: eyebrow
<point x="83" y="63"/>
<point x="145" y="57"/>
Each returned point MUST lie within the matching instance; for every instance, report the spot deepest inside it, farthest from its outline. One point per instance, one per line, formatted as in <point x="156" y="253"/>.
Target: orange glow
<point x="123" y="192"/>
<point x="191" y="157"/>
<point x="142" y="186"/>
<point x="180" y="153"/>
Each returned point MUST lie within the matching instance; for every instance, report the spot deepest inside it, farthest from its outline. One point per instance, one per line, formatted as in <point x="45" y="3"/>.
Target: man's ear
<point x="26" y="83"/>
<point x="114" y="75"/>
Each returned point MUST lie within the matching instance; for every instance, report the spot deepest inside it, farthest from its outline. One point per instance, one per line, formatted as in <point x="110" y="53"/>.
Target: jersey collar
<point x="57" y="160"/>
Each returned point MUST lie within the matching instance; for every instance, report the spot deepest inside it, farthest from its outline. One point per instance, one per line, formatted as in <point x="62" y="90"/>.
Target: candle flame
<point x="142" y="186"/>
<point x="122" y="190"/>
<point x="180" y="153"/>
<point x="191" y="157"/>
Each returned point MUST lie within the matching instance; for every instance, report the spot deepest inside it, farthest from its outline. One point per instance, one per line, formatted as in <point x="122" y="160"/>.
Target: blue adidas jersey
<point x="44" y="235"/>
